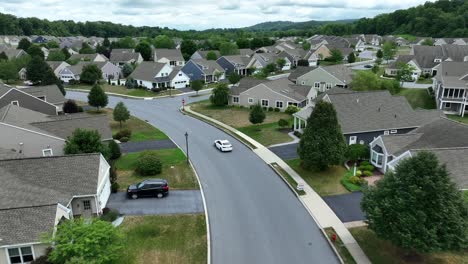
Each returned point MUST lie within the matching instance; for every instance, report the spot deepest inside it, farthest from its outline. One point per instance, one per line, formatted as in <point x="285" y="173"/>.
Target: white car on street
<point x="223" y="145"/>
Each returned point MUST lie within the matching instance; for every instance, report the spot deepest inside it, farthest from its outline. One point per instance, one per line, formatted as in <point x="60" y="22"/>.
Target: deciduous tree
<point x="24" y="44"/>
<point x="197" y="85"/>
<point x="90" y="74"/>
<point x="211" y="55"/>
<point x="121" y="113"/>
<point x="145" y="50"/>
<point x="97" y="97"/>
<point x="83" y="141"/>
<point x="220" y="95"/>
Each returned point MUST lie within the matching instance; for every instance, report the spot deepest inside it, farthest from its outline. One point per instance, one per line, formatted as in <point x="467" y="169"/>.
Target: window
<point x="20" y="255"/>
<point x="352" y="140"/>
<point x="317" y="85"/>
<point x="87" y="205"/>
<point x="15" y="103"/>
<point x="303" y="82"/>
<point x="447" y="105"/>
<point x="329" y="86"/>
<point x="235" y="99"/>
<point x="180" y="74"/>
<point x="361" y="142"/>
<point x="386" y="132"/>
<point x="291" y="103"/>
<point x="41" y="97"/>
<point x="376" y="158"/>
<point x="279" y="104"/>
<point x="265" y="102"/>
<point x="47" y="152"/>
<point x="393" y="131"/>
<point x="251" y="100"/>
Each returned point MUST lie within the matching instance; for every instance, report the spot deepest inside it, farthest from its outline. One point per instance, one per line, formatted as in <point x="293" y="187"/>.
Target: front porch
<point x="299" y="124"/>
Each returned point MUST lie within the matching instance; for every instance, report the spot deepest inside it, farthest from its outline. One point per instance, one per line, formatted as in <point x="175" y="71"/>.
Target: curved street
<point x="254" y="217"/>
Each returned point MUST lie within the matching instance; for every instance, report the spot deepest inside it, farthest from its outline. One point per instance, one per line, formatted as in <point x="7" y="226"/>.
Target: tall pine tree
<point x="322" y="143"/>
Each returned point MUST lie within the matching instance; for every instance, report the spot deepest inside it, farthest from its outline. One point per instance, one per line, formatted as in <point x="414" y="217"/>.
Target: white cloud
<point x="202" y="14"/>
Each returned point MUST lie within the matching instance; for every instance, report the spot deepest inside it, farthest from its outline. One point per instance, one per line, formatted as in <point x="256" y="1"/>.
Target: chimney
<point x="395" y="116"/>
<point x="378" y="109"/>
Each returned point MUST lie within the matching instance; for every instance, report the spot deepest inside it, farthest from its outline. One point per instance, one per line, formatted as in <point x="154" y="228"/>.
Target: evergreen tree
<point x="188" y="47"/>
<point x="39" y="72"/>
<point x="106" y="42"/>
<point x="335" y="55"/>
<point x="417" y="207"/>
<point x="257" y="115"/>
<point x="121" y="113"/>
<point x="351" y="57"/>
<point x="280" y="62"/>
<point x="220" y="96"/>
<point x="234" y="78"/>
<point x="56" y="55"/>
<point x="86" y="49"/>
<point x="66" y="53"/>
<point x="379" y="54"/>
<point x="211" y="55"/>
<point x="197" y="85"/>
<point x="97" y="97"/>
<point x="145" y="50"/>
<point x="35" y="50"/>
<point x="90" y="74"/>
<point x="7" y="72"/>
<point x="24" y="44"/>
<point x="322" y="143"/>
<point x="127" y="69"/>
<point x="114" y="150"/>
<point x="60" y="86"/>
<point x="3" y="56"/>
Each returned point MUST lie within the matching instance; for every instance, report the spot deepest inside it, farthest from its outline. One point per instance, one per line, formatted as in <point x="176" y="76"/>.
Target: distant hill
<point x="289" y="25"/>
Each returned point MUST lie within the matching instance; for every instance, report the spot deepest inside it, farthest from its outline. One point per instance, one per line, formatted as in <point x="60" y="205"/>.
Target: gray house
<point x="173" y="57"/>
<point x="234" y="63"/>
<point x="446" y="138"/>
<point x="202" y="54"/>
<point x="96" y="57"/>
<point x="279" y="93"/>
<point x="45" y="99"/>
<point x="73" y="72"/>
<point x="451" y="87"/>
<point x="323" y="78"/>
<point x="205" y="70"/>
<point x="363" y="116"/>
<point x="39" y="193"/>
<point x="119" y="57"/>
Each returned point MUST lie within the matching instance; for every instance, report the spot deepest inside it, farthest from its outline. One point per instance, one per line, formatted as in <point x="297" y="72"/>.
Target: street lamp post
<point x="186" y="146"/>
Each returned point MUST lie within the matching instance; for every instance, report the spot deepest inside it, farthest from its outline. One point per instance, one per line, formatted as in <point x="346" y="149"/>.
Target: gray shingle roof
<point x="282" y="86"/>
<point x="341" y="72"/>
<point x="208" y="66"/>
<point x="9" y="154"/>
<point x="47" y="180"/>
<point x="147" y="70"/>
<point x="85" y="57"/>
<point x="305" y="112"/>
<point x="13" y="114"/>
<point x="77" y="69"/>
<point x="54" y="64"/>
<point x="401" y="59"/>
<point x="51" y="92"/>
<point x="425" y="55"/>
<point x="170" y="54"/>
<point x="245" y="84"/>
<point x="450" y="73"/>
<point x="238" y="60"/>
<point x="123" y="55"/>
<point x="375" y="111"/>
<point x="63" y="126"/>
<point x="299" y="71"/>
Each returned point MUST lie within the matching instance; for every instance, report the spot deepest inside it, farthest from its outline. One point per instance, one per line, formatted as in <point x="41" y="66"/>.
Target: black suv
<point x="148" y="188"/>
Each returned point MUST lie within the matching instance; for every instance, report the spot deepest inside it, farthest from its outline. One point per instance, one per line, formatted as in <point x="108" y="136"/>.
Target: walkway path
<point x="316" y="206"/>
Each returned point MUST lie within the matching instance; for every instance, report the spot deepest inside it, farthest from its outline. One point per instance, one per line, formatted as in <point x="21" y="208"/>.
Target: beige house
<point x="39" y="193"/>
<point x="323" y="78"/>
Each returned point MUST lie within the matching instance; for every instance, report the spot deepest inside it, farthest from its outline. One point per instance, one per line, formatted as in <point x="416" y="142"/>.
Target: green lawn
<point x="287" y="177"/>
<point x="323" y="182"/>
<point x="418" y="98"/>
<point x="383" y="252"/>
<point x="118" y="89"/>
<point x="267" y="134"/>
<point x="340" y="247"/>
<point x="459" y="118"/>
<point x="175" y="170"/>
<point x="425" y="81"/>
<point x="164" y="239"/>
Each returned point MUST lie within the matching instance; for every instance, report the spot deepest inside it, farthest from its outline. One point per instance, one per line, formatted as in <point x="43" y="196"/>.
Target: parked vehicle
<point x="223" y="145"/>
<point x="368" y="66"/>
<point x="148" y="188"/>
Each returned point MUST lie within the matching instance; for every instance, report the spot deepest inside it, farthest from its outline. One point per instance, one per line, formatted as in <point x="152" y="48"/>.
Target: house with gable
<point x="322" y="78"/>
<point x="151" y="75"/>
<point x="73" y="72"/>
<point x="234" y="63"/>
<point x="120" y="57"/>
<point x="96" y="57"/>
<point x="393" y="67"/>
<point x="451" y="87"/>
<point x="172" y="57"/>
<point x="44" y="99"/>
<point x="205" y="70"/>
<point x="261" y="60"/>
<point x="202" y="54"/>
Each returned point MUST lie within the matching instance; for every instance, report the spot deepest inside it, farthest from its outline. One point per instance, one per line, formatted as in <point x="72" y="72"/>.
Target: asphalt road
<point x="346" y="206"/>
<point x="177" y="202"/>
<point x="254" y="217"/>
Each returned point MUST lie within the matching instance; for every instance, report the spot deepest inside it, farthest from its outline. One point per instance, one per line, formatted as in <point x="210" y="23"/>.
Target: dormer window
<point x="437" y="60"/>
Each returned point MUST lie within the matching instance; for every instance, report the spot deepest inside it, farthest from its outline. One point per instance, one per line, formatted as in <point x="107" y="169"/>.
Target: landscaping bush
<point x="70" y="107"/>
<point x="356" y="180"/>
<point x="366" y="167"/>
<point x="123" y="133"/>
<point x="115" y="187"/>
<point x="356" y="152"/>
<point x="265" y="108"/>
<point x="80" y="109"/>
<point x="109" y="215"/>
<point x="358" y="173"/>
<point x="277" y="109"/>
<point x="148" y="163"/>
<point x="364" y="163"/>
<point x="367" y="173"/>
<point x="352" y="187"/>
<point x="114" y="149"/>
<point x="124" y="139"/>
<point x="270" y="109"/>
<point x="283" y="123"/>
<point x="291" y="109"/>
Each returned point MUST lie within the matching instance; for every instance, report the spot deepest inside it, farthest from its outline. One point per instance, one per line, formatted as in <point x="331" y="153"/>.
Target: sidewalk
<point x="320" y="211"/>
<point x="201" y="92"/>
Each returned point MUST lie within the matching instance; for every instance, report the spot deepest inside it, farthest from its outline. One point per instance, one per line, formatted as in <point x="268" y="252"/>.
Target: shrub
<point x="283" y="123"/>
<point x="115" y="187"/>
<point x="358" y="173"/>
<point x="367" y="173"/>
<point x="114" y="150"/>
<point x="291" y="109"/>
<point x="277" y="109"/>
<point x="270" y="109"/>
<point x="80" y="109"/>
<point x="352" y="187"/>
<point x="366" y="167"/>
<point x="70" y="107"/>
<point x="123" y="133"/>
<point x="265" y="108"/>
<point x="356" y="180"/>
<point x="148" y="163"/>
<point x="357" y="151"/>
<point x="109" y="215"/>
<point x="365" y="163"/>
<point x="124" y="139"/>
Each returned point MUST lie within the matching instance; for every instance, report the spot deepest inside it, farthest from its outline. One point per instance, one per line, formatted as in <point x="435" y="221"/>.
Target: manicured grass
<point x="323" y="182"/>
<point x="288" y="178"/>
<point x="403" y="51"/>
<point x="383" y="252"/>
<point x="119" y="89"/>
<point x="164" y="239"/>
<point x="267" y="134"/>
<point x="418" y="98"/>
<point x="232" y="115"/>
<point x="425" y="81"/>
<point x="176" y="171"/>
<point x="340" y="247"/>
<point x="459" y="118"/>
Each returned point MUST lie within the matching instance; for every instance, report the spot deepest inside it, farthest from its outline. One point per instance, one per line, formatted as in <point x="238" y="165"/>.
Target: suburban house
<point x="35" y="134"/>
<point x="39" y="193"/>
<point x="393" y="67"/>
<point x="45" y="99"/>
<point x="364" y="116"/>
<point x="279" y="93"/>
<point x="12" y="53"/>
<point x="205" y="70"/>
<point x="150" y="75"/>
<point x="57" y="66"/>
<point x="119" y="57"/>
<point x="324" y="51"/>
<point x="234" y="63"/>
<point x="201" y="54"/>
<point x="453" y="41"/>
<point x="446" y="138"/>
<point x="173" y="57"/>
<point x="261" y="60"/>
<point x="96" y="57"/>
<point x="73" y="72"/>
<point x="322" y="78"/>
<point x="450" y="87"/>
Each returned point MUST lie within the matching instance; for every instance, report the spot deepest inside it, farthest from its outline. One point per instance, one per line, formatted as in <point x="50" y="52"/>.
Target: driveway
<point x="367" y="54"/>
<point x="414" y="85"/>
<point x="346" y="206"/>
<point x="128" y="147"/>
<point x="177" y="202"/>
<point x="286" y="152"/>
<point x="254" y="217"/>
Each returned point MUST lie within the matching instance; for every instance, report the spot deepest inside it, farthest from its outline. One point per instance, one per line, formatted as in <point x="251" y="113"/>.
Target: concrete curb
<point x="139" y="97"/>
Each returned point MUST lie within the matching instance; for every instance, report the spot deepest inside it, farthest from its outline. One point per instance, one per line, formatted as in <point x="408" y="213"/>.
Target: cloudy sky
<point x="201" y="14"/>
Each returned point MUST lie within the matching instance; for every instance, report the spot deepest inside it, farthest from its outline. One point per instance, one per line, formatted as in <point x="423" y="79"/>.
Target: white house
<point x="159" y="75"/>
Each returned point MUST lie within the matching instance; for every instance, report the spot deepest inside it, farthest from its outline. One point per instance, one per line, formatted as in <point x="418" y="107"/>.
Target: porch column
<point x="295" y="118"/>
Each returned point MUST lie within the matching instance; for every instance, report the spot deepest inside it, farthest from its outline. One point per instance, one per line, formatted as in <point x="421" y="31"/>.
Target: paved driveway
<point x="254" y="217"/>
<point x="177" y="202"/>
<point x="286" y="152"/>
<point x="346" y="206"/>
<point x="128" y="147"/>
